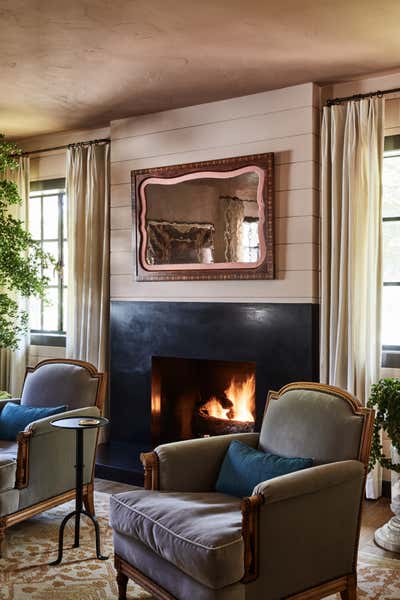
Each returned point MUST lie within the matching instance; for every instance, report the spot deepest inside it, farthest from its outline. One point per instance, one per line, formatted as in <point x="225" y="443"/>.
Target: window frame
<point x="42" y="337"/>
<point x="391" y="353"/>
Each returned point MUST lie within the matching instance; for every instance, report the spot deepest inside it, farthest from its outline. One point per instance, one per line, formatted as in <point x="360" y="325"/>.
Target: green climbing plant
<point x="385" y="399"/>
<point x="22" y="260"/>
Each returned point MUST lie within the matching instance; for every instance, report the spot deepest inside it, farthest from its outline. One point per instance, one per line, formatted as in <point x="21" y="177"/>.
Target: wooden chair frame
<point x="23" y="439"/>
<point x="346" y="585"/>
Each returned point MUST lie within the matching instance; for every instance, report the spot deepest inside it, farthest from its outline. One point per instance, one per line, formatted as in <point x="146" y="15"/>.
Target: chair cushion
<point x="8" y="464"/>
<point x="14" y="418"/>
<point x="244" y="467"/>
<point x="199" y="533"/>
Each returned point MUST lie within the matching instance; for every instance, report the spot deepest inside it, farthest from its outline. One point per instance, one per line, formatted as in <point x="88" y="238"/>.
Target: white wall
<point x="285" y="122"/>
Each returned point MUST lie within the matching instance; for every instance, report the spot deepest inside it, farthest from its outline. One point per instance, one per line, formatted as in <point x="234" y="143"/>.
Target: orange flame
<point x="242" y="396"/>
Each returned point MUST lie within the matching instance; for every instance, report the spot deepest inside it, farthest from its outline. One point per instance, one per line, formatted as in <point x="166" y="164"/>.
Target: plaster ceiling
<point x="81" y="63"/>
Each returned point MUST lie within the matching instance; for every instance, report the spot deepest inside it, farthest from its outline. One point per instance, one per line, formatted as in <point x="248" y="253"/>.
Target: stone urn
<point x="388" y="536"/>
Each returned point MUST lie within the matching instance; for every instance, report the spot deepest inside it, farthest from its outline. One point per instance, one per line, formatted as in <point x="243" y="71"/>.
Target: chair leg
<point x="88" y="499"/>
<point x="122" y="582"/>
<point x="350" y="593"/>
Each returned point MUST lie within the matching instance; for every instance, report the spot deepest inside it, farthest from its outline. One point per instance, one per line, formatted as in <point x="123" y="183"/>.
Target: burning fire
<point x="241" y="399"/>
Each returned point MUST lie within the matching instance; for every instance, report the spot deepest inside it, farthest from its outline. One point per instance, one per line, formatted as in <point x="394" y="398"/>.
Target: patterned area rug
<point x="25" y="572"/>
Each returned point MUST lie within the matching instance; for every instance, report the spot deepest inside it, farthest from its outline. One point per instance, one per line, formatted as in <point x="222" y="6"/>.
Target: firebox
<point x="196" y="398"/>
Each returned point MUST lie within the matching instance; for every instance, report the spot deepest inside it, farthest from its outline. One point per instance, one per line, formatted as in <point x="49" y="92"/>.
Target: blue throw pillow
<point x="14" y="418"/>
<point x="244" y="467"/>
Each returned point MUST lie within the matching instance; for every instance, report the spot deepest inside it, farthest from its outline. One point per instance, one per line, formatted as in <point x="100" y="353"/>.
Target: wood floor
<point x="375" y="514"/>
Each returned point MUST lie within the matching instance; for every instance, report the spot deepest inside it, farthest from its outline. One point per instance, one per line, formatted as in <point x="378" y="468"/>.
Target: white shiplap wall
<point x="285" y="122"/>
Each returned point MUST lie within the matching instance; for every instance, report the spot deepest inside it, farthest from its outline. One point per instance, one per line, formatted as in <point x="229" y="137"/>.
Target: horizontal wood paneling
<point x="288" y="284"/>
<point x="225" y="110"/>
<point x="250" y="129"/>
<point x="285" y="122"/>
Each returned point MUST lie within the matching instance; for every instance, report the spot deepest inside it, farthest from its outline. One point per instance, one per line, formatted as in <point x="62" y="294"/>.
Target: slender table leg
<point x="79" y="484"/>
<point x="78" y="507"/>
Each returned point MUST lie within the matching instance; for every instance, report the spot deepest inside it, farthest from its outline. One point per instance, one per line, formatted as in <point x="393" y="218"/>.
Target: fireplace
<point x="195" y="398"/>
<point x="278" y="343"/>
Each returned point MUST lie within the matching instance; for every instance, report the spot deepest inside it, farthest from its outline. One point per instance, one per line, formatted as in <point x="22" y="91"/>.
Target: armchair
<point x="295" y="537"/>
<point x="36" y="471"/>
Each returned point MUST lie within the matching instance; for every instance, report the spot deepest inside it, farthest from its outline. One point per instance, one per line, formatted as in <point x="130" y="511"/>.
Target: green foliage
<point x="22" y="260"/>
<point x="385" y="399"/>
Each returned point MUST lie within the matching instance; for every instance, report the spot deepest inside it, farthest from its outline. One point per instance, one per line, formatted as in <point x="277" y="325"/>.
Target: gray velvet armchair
<point x="295" y="537"/>
<point x="37" y="469"/>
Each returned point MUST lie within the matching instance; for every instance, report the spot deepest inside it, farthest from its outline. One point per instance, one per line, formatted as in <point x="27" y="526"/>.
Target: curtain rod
<point x="74" y="145"/>
<point x="378" y="93"/>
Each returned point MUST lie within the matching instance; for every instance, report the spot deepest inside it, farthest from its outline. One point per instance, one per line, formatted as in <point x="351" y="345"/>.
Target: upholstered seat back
<point x="59" y="383"/>
<point x="311" y="423"/>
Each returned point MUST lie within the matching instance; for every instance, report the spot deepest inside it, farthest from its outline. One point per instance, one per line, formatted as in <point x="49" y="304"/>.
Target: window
<point x="391" y="248"/>
<point x="48" y="225"/>
<point x="250" y="240"/>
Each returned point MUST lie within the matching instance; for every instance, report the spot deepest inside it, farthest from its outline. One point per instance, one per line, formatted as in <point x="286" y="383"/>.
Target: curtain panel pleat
<point x="13" y="362"/>
<point x="351" y="249"/>
<point x="87" y="188"/>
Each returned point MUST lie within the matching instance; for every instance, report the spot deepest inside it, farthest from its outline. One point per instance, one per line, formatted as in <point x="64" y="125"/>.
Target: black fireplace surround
<point x="282" y="339"/>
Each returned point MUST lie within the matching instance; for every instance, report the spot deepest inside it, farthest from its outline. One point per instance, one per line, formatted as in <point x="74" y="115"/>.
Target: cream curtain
<point x="13" y="363"/>
<point x="87" y="189"/>
<point x="351" y="279"/>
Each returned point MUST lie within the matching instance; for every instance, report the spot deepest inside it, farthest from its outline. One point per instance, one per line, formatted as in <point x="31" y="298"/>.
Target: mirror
<point x="210" y="220"/>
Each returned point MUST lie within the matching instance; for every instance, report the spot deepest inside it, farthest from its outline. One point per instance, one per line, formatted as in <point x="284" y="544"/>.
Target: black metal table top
<point x="79" y="422"/>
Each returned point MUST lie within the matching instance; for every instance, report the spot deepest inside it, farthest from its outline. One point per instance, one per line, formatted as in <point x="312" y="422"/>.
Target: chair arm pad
<point x="42" y="426"/>
<point x="193" y="465"/>
<point x="309" y="481"/>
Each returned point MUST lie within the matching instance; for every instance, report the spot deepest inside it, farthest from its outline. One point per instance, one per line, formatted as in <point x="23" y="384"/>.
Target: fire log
<point x="205" y="425"/>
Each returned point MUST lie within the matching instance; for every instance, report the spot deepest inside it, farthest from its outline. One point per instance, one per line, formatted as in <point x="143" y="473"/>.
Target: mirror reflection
<point x="203" y="220"/>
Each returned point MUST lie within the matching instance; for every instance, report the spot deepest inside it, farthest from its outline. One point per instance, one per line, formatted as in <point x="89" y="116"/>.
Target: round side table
<point x="79" y="424"/>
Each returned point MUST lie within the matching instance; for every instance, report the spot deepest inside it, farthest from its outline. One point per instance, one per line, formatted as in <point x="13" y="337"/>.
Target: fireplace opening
<point x="196" y="398"/>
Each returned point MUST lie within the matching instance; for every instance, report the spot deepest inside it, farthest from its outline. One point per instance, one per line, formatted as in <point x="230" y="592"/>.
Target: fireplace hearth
<point x="277" y="343"/>
<point x="195" y="398"/>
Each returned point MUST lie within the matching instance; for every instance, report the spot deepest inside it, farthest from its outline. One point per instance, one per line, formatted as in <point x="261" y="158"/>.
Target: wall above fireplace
<point x="280" y="339"/>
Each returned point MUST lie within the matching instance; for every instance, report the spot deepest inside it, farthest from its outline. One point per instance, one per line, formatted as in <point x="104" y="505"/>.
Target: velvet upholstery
<point x="193" y="465"/>
<point x="200" y="533"/>
<point x="165" y="574"/>
<point x="15" y="417"/>
<point x="8" y="468"/>
<point x="52" y="456"/>
<point x="308" y="520"/>
<point x="8" y="502"/>
<point x="244" y="467"/>
<point x="47" y="454"/>
<point x="59" y="383"/>
<point x="310" y="423"/>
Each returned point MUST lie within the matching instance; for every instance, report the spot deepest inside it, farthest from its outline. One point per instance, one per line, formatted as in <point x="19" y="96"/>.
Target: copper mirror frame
<point x="210" y="220"/>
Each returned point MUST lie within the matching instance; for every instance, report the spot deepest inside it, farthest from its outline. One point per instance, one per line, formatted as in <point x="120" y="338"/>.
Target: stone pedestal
<point x="388" y="536"/>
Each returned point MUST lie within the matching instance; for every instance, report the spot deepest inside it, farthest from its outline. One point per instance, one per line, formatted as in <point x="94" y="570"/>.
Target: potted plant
<point x="385" y="399"/>
<point x="22" y="260"/>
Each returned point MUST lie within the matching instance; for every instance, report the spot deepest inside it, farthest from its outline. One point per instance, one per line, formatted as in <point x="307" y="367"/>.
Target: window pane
<point x="50" y="217"/>
<point x="391" y="186"/>
<point x="35" y="216"/>
<point x="50" y="310"/>
<point x="391" y="251"/>
<point x="34" y="313"/>
<point x="52" y="248"/>
<point x="391" y="316"/>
